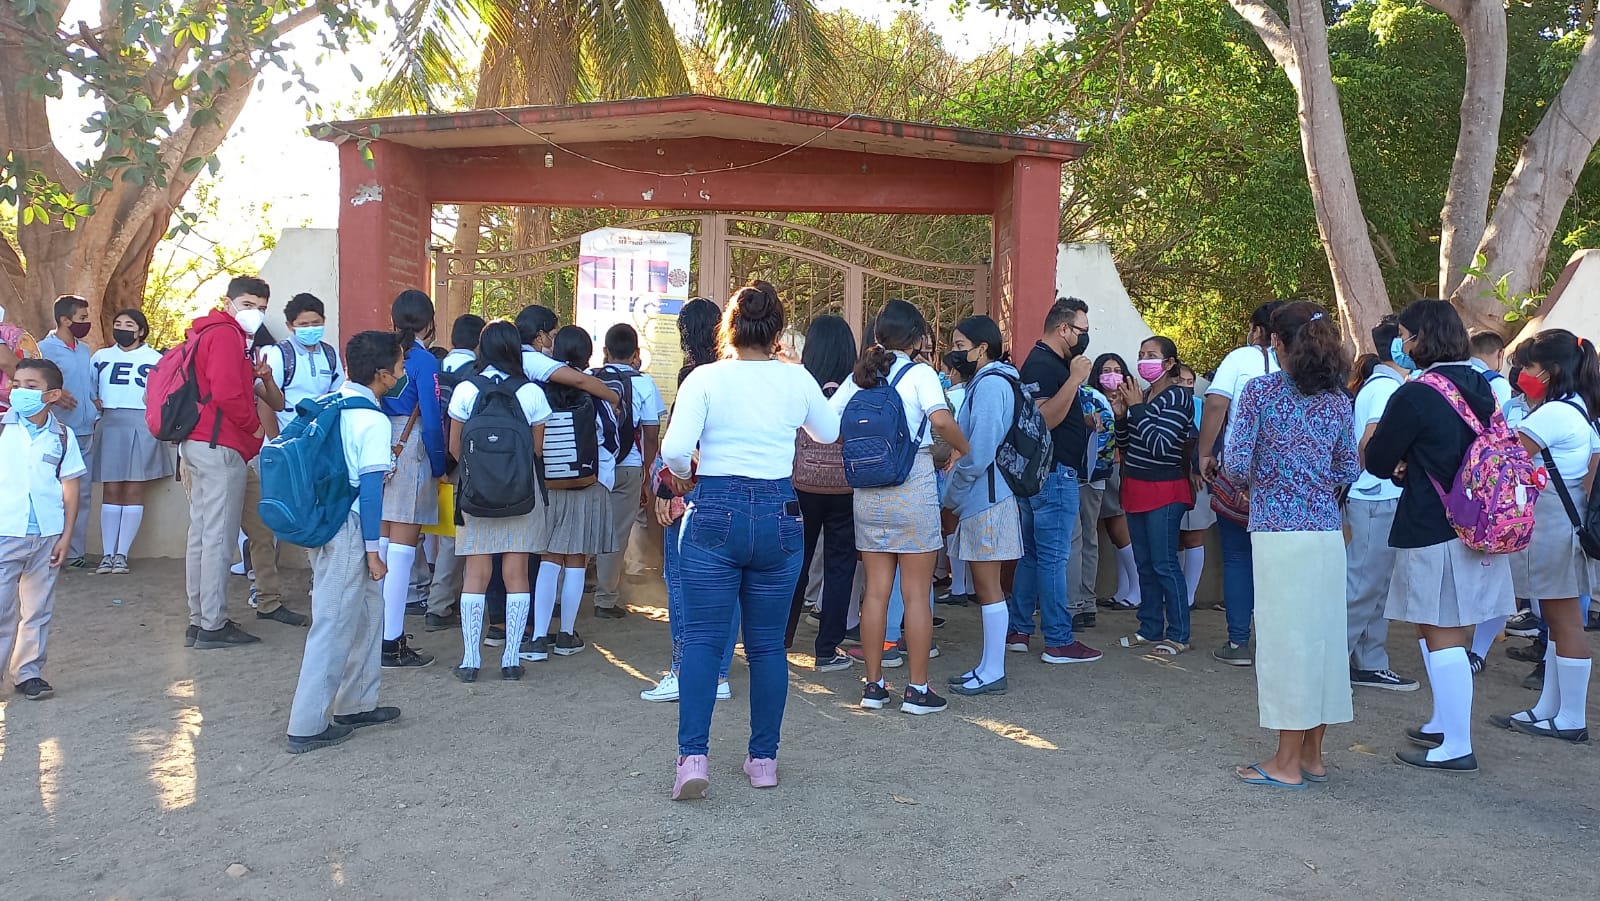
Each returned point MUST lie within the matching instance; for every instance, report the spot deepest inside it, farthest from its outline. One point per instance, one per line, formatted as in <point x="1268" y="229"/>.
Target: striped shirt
<point x="1153" y="435"/>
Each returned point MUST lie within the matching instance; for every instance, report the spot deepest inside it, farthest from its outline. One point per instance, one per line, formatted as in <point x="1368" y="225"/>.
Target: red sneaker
<point x="1077" y="652"/>
<point x="1017" y="641"/>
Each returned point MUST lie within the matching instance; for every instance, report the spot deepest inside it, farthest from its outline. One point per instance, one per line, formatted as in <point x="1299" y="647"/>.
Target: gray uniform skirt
<point x="127" y="452"/>
<point x="1553" y="565"/>
<point x="412" y="493"/>
<point x="525" y="534"/>
<point x="578" y="522"/>
<point x="994" y="534"/>
<point x="900" y="519"/>
<point x="1111" y="502"/>
<point x="1201" y="516"/>
<point x="1449" y="585"/>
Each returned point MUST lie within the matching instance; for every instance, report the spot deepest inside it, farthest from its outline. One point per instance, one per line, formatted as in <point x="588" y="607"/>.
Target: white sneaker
<point x="724" y="690"/>
<point x="665" y="690"/>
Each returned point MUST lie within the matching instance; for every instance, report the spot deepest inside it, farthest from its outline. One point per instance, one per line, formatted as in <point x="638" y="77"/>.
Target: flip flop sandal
<point x="1168" y="649"/>
<point x="1313" y="777"/>
<point x="1134" y="641"/>
<point x="1268" y="781"/>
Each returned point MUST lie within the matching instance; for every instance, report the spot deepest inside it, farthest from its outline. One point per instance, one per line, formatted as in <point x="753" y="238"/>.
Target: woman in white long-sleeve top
<point x="741" y="536"/>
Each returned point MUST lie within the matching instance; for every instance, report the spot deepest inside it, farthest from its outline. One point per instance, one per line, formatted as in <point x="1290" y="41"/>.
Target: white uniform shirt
<point x="1371" y="401"/>
<point x="1237" y="369"/>
<point x="920" y="393"/>
<point x="1557" y="425"/>
<point x="648" y="409"/>
<point x="312" y="377"/>
<point x="534" y="404"/>
<point x="30" y="471"/>
<point x="119" y="376"/>
<point x="366" y="438"/>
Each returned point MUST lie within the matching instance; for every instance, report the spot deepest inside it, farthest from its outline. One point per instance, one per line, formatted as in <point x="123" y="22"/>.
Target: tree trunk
<point x="1465" y="215"/>
<point x="1529" y="208"/>
<point x="468" y="240"/>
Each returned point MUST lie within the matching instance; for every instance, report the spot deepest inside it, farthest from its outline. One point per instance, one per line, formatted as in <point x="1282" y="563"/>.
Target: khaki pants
<point x="624" y="500"/>
<point x="215" y="479"/>
<point x="264" y="547"/>
<point x="27" y="594"/>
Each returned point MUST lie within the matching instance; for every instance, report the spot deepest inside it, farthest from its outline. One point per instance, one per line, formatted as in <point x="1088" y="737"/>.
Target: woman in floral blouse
<point x="1292" y="443"/>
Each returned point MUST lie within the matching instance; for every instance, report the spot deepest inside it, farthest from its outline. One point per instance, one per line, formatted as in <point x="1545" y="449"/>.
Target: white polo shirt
<point x="312" y="376"/>
<point x="33" y="453"/>
<point x="366" y="438"/>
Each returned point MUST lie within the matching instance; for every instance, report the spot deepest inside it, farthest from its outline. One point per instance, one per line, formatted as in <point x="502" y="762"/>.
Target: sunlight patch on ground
<point x="49" y="767"/>
<point x="812" y="688"/>
<point x="1012" y="732"/>
<point x="621" y="664"/>
<point x="652" y="613"/>
<point x="173" y="771"/>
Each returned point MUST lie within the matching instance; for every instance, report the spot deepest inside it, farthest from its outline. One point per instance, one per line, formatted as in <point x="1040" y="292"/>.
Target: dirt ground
<point x="156" y="768"/>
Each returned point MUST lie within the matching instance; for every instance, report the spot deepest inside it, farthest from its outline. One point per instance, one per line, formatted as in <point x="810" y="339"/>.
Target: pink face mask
<point x="1111" y="381"/>
<point x="1150" y="370"/>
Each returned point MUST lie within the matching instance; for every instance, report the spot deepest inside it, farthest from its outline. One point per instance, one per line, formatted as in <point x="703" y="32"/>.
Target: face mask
<point x="399" y="387"/>
<point x="309" y="335"/>
<point x="1397" y="352"/>
<point x="944" y="379"/>
<point x="1111" y="381"/>
<point x="1082" y="347"/>
<point x="125" y="337"/>
<point x="80" y="330"/>
<point x="27" y="402"/>
<point x="250" y="320"/>
<point x="1531" y="386"/>
<point x="1150" y="370"/>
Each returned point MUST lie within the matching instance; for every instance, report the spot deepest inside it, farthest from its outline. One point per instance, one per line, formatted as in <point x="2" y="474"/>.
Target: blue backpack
<point x="306" y="493"/>
<point x="878" y="449"/>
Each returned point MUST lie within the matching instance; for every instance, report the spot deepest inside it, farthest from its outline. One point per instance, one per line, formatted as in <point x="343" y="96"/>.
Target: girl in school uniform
<point x="479" y="539"/>
<point x="960" y="371"/>
<point x="129" y="455"/>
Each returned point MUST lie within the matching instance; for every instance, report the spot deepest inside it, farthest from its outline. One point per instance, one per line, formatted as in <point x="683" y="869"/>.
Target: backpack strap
<point x="289" y="362"/>
<point x="1454" y="397"/>
<point x="331" y="355"/>
<point x="922" y="431"/>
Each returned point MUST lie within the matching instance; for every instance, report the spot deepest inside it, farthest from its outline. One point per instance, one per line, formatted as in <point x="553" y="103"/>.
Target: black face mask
<point x="1082" y="347"/>
<point x="125" y="337"/>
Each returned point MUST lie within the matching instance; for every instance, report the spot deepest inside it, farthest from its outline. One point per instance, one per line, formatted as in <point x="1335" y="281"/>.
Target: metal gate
<point x="816" y="272"/>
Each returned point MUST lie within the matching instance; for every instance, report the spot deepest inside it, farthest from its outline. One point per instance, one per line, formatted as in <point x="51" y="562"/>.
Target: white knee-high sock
<point x="1550" y="694"/>
<point x="1127" y="575"/>
<point x="1432" y="725"/>
<point x="1452" y="696"/>
<point x="110" y="527"/>
<point x="396" y="585"/>
<point x="132" y="518"/>
<point x="1194" y="564"/>
<point x="516" y="621"/>
<point x="472" y="609"/>
<point x="1483" y="637"/>
<point x="1573" y="674"/>
<point x="544" y="597"/>
<point x="995" y="620"/>
<point x="571" y="597"/>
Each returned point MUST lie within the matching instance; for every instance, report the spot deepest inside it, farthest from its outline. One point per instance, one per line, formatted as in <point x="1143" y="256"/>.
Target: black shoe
<point x="920" y="703"/>
<point x="189" y="636"/>
<point x="874" y="696"/>
<point x="535" y="650"/>
<point x="1592" y="624"/>
<point x="1381" y="678"/>
<point x="466" y="673"/>
<point x="609" y="613"/>
<point x="1523" y="625"/>
<point x="377" y="716"/>
<point x="1534" y="681"/>
<point x="229" y="636"/>
<point x="1477" y="663"/>
<point x="1466" y="763"/>
<point x="568" y="643"/>
<point x="511" y="673"/>
<point x="954" y="600"/>
<point x="495" y="636"/>
<point x="286" y="616"/>
<point x="852" y="637"/>
<point x="1083" y="621"/>
<point x="1543" y="728"/>
<point x="435" y="622"/>
<point x="1425" y="739"/>
<point x="417" y="608"/>
<point x="399" y="655"/>
<point x="35" y="689"/>
<point x="938" y="622"/>
<point x="327" y="738"/>
<point x="815" y="616"/>
<point x="1529" y="653"/>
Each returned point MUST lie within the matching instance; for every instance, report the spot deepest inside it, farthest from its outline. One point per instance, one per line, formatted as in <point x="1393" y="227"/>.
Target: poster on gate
<point x="641" y="278"/>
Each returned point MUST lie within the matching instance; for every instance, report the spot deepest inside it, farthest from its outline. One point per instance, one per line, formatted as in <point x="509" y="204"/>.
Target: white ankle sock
<point x="1127" y="575"/>
<point x="132" y="518"/>
<point x="1550" y="694"/>
<point x="1432" y="725"/>
<point x="571" y="597"/>
<point x="396" y="585"/>
<point x="544" y="597"/>
<point x="1452" y="697"/>
<point x="992" y="667"/>
<point x="1483" y="637"/>
<point x="1194" y="564"/>
<point x="110" y="528"/>
<point x="1573" y="675"/>
<point x="516" y="621"/>
<point x="472" y="608"/>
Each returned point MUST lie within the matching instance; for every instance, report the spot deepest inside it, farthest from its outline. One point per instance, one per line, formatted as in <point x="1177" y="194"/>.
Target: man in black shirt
<point x="1055" y="369"/>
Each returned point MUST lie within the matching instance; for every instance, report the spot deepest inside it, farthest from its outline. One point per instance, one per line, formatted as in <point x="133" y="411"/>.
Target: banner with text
<point x="641" y="278"/>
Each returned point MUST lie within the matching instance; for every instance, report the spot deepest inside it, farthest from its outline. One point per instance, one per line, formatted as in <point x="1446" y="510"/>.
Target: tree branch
<point x="1465" y="213"/>
<point x="1269" y="26"/>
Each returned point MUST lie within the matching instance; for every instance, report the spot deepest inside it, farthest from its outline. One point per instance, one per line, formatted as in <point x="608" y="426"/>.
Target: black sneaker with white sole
<point x="834" y="664"/>
<point x="399" y="655"/>
<point x="1381" y="678"/>
<point x="1523" y="625"/>
<point x="1477" y="663"/>
<point x="921" y="703"/>
<point x="495" y="636"/>
<point x="35" y="689"/>
<point x="568" y="643"/>
<point x="333" y="735"/>
<point x="535" y="650"/>
<point x="874" y="696"/>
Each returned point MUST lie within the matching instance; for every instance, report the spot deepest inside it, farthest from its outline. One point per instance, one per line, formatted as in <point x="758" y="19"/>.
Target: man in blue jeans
<point x="1055" y="369"/>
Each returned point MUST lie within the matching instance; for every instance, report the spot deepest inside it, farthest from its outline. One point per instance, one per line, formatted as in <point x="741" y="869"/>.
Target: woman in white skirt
<point x="897" y="527"/>
<point x="1291" y="442"/>
<point x="479" y="539"/>
<point x="1439" y="583"/>
<point x="578" y="526"/>
<point x="1560" y="374"/>
<point x="129" y="455"/>
<point x="989" y="530"/>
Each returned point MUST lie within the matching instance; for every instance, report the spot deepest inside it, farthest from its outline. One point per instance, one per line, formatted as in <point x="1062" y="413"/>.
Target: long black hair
<point x="500" y="346"/>
<point x="1438" y="334"/>
<point x="572" y="346"/>
<point x="1569" y="362"/>
<point x="697" y="334"/>
<point x="899" y="326"/>
<point x="983" y="330"/>
<point x="830" y="351"/>
<point x="533" y="321"/>
<point x="412" y="315"/>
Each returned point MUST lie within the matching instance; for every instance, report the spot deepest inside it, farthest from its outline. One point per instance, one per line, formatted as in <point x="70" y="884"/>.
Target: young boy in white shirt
<point x="628" y="492"/>
<point x="35" y="535"/>
<point x="340" y="671"/>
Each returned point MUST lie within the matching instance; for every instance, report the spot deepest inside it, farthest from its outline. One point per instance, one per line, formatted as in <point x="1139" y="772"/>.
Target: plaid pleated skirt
<point x="579" y="522"/>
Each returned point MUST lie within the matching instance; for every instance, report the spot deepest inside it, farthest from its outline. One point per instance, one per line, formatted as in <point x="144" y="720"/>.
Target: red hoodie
<point x="223" y="371"/>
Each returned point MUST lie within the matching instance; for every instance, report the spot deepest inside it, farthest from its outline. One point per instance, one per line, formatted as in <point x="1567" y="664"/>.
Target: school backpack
<point x="1587" y="525"/>
<point x="499" y="468"/>
<point x="818" y="467"/>
<point x="306" y="493"/>
<point x="1490" y="502"/>
<point x="172" y="393"/>
<point x="571" y="458"/>
<point x="1026" y="455"/>
<point x="878" y="449"/>
<point x="619" y="378"/>
<point x="289" y="362"/>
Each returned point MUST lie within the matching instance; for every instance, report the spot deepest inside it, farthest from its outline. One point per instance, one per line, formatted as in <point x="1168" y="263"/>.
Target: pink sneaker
<point x="763" y="772"/>
<point x="691" y="783"/>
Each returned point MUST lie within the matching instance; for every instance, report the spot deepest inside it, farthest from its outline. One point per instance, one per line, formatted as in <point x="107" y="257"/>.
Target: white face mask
<point x="250" y="320"/>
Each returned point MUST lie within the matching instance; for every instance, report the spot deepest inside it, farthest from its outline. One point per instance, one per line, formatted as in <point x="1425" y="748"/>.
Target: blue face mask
<point x="309" y="335"/>
<point x="1398" y="353"/>
<point x="944" y="379"/>
<point x="27" y="402"/>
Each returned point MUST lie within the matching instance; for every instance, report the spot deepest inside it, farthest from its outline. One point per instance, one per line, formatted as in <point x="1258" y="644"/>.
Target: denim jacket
<point x="985" y="417"/>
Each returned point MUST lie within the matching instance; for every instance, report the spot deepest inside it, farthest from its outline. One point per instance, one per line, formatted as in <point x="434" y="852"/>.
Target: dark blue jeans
<point x="1164" y="611"/>
<point x="1238" y="579"/>
<point x="1048" y="520"/>
<point x="740" y="549"/>
<point x="669" y="572"/>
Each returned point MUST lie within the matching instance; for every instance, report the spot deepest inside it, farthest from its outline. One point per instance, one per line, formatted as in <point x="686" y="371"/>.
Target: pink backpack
<point x="1490" y="503"/>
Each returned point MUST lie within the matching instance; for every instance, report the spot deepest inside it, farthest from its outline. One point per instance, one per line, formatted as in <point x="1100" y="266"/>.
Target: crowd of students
<point x="760" y="480"/>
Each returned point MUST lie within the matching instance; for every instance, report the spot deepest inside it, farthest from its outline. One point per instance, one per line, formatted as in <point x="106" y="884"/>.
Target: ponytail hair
<point x="412" y="314"/>
<point x="899" y="326"/>
<point x="1570" y="364"/>
<point x="1314" y="357"/>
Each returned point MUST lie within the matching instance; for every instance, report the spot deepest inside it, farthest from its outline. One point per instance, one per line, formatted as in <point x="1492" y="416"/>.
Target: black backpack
<point x="571" y="458"/>
<point x="1586" y="525"/>
<point x="619" y="378"/>
<point x="499" y="468"/>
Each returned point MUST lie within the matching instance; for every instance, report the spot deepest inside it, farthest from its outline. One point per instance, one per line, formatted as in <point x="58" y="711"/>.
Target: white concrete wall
<point x="1087" y="271"/>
